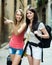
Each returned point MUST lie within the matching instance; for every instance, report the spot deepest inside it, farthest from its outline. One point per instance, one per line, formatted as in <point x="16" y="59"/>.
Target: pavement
<point x="4" y="52"/>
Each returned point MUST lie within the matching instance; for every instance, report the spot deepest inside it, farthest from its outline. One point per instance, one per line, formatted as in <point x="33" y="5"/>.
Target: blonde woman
<point x="16" y="42"/>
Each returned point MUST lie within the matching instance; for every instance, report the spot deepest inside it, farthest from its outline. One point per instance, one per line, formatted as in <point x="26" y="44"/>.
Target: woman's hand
<point x="37" y="33"/>
<point x="9" y="37"/>
<point x="7" y="21"/>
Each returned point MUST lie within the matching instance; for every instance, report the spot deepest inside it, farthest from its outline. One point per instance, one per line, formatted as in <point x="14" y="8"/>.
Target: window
<point x="29" y="2"/>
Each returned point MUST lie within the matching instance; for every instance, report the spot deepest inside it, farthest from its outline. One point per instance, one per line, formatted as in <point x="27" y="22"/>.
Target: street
<point x="46" y="52"/>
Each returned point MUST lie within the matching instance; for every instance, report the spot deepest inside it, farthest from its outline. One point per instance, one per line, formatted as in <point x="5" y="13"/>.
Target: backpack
<point x="45" y="43"/>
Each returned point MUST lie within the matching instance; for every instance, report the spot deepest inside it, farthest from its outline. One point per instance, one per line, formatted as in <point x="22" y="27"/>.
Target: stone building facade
<point x="8" y="8"/>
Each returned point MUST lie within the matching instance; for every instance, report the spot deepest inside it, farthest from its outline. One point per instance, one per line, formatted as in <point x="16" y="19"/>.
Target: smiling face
<point x="18" y="16"/>
<point x="30" y="15"/>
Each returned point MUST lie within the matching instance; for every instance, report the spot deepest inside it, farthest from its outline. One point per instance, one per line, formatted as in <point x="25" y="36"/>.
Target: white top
<point x="32" y="37"/>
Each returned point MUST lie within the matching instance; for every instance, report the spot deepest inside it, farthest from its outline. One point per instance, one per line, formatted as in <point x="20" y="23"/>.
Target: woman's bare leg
<point x="16" y="60"/>
<point x="12" y="57"/>
<point x="30" y="59"/>
<point x="36" y="62"/>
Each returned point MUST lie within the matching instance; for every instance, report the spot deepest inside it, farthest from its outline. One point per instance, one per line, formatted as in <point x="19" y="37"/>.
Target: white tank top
<point x="32" y="37"/>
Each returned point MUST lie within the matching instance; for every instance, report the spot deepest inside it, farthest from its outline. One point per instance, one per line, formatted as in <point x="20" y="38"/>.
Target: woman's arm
<point x="21" y="29"/>
<point x="44" y="35"/>
<point x="43" y="30"/>
<point x="7" y="21"/>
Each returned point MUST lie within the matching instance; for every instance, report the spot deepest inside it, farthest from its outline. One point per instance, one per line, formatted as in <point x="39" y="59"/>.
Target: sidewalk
<point x="47" y="56"/>
<point x="3" y="55"/>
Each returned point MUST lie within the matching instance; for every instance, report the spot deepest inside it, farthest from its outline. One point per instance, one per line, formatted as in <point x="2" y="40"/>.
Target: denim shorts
<point x="15" y="51"/>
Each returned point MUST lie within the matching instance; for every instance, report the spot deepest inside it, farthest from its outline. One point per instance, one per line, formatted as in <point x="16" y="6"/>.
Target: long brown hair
<point x="35" y="19"/>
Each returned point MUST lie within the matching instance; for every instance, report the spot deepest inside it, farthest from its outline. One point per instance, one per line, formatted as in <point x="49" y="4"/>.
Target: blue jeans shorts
<point x="15" y="51"/>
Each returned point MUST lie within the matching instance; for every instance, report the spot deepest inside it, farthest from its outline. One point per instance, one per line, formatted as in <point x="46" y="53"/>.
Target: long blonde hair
<point x="22" y="14"/>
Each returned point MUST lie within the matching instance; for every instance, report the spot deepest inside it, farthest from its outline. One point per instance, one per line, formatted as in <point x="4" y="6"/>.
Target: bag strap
<point x="31" y="50"/>
<point x="26" y="44"/>
<point x="39" y="38"/>
<point x="42" y="56"/>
